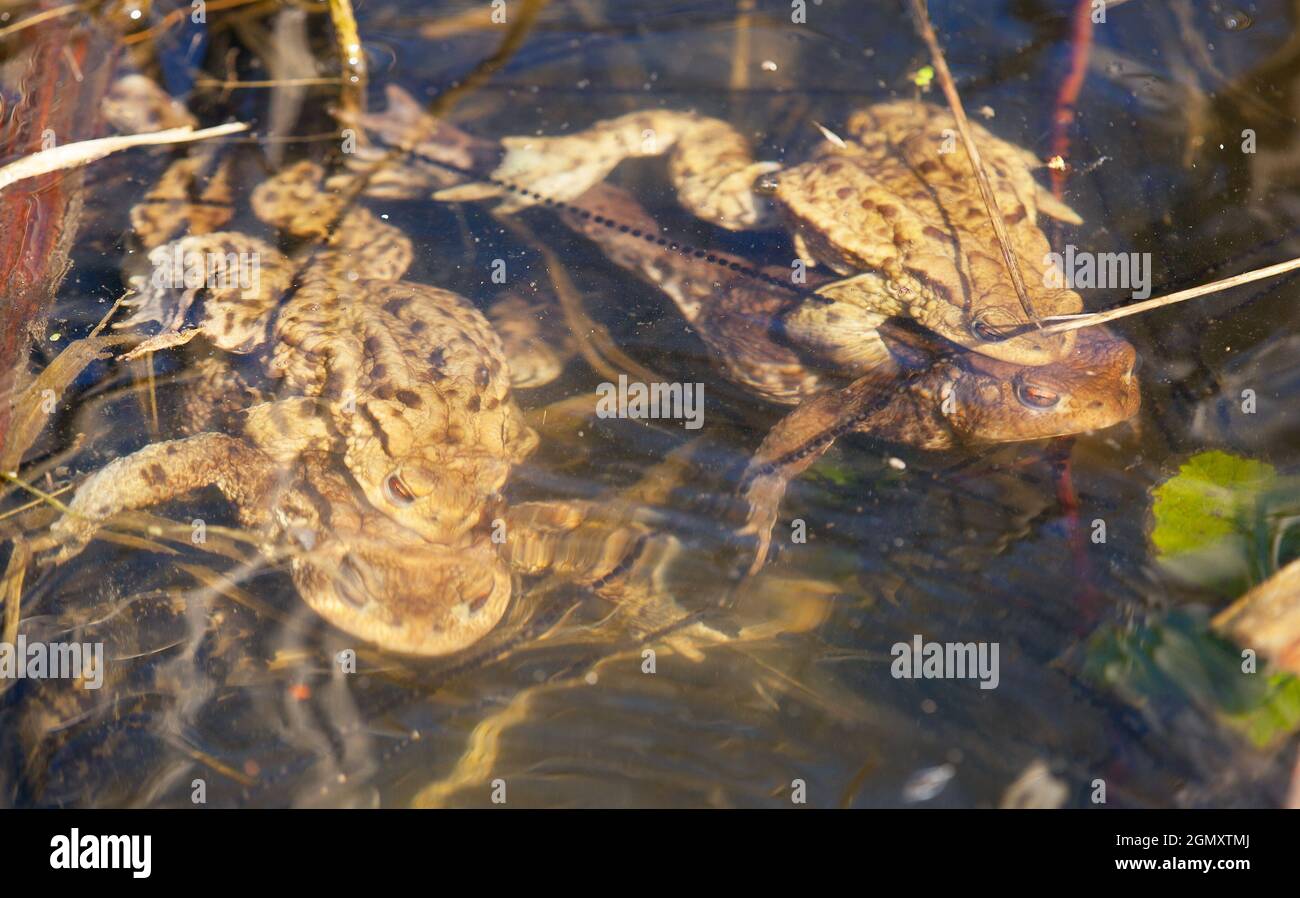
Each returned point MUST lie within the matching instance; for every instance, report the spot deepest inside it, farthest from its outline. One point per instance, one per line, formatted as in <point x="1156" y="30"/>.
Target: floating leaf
<point x="1208" y="528"/>
<point x="1210" y="498"/>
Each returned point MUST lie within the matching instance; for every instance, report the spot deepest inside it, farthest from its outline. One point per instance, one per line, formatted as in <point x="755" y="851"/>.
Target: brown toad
<point x="910" y="388"/>
<point x="892" y="207"/>
<point x="940" y="398"/>
<point x="391" y="431"/>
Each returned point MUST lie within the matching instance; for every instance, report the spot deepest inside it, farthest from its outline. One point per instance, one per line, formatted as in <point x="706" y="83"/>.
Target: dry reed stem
<point x="75" y="155"/>
<point x="351" y="56"/>
<point x="1091" y="319"/>
<point x="40" y="17"/>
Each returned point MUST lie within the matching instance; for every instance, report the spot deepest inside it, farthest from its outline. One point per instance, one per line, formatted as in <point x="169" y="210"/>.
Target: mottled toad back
<point x="900" y="202"/>
<point x="893" y="207"/>
<point x="911" y="387"/>
<point x="391" y="432"/>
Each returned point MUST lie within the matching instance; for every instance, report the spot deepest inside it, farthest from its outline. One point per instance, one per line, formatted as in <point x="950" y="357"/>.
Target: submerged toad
<point x="893" y="207"/>
<point x="910" y="388"/>
<point x="942" y="398"/>
<point x="377" y="465"/>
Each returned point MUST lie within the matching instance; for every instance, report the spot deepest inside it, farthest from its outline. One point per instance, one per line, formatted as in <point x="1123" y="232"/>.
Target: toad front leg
<point x="874" y="403"/>
<point x="164" y="471"/>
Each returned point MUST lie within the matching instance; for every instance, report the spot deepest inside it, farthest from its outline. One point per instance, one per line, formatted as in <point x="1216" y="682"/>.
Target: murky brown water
<point x="951" y="547"/>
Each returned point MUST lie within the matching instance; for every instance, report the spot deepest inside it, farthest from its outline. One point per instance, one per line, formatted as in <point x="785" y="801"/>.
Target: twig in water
<point x="11" y="589"/>
<point x="1074" y="322"/>
<point x="740" y="54"/>
<point x="269" y="82"/>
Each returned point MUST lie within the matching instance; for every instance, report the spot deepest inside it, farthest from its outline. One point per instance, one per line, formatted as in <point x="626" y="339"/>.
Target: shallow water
<point x="953" y="547"/>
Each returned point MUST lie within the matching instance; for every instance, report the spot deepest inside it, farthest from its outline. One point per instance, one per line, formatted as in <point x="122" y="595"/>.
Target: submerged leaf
<point x="1177" y="660"/>
<point x="33" y="408"/>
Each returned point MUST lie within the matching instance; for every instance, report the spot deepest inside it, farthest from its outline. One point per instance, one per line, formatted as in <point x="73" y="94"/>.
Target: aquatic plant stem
<point x="1068" y="95"/>
<point x="351" y="57"/>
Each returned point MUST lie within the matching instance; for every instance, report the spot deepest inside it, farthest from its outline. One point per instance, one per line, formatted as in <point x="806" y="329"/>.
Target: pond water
<point x="1106" y="672"/>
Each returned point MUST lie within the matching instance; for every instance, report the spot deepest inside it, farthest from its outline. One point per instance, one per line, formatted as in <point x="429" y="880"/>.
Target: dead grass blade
<point x="40" y="17"/>
<point x="351" y="57"/>
<point x="75" y="155"/>
<point x="1061" y="323"/>
<point x="11" y="589"/>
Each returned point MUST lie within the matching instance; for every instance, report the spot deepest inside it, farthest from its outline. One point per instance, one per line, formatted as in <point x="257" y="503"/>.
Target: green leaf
<point x="834" y="471"/>
<point x="1211" y="497"/>
<point x="1275" y="714"/>
<point x="1174" y="660"/>
<point x="1209" y="531"/>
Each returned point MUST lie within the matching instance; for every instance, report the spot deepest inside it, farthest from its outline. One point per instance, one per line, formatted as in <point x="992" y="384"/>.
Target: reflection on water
<point x="755" y="690"/>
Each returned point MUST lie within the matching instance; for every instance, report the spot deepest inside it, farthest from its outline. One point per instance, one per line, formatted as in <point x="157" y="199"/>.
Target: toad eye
<point x="1035" y="396"/>
<point x="985" y="331"/>
<point x="396" y="490"/>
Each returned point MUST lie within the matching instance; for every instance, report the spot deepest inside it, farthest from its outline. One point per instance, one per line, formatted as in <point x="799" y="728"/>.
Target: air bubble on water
<point x="1235" y="20"/>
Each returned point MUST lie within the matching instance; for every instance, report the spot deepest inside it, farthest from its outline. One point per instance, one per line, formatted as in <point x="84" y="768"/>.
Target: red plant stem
<point x="1089" y="600"/>
<point x="1068" y="95"/>
<point x="1063" y="119"/>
